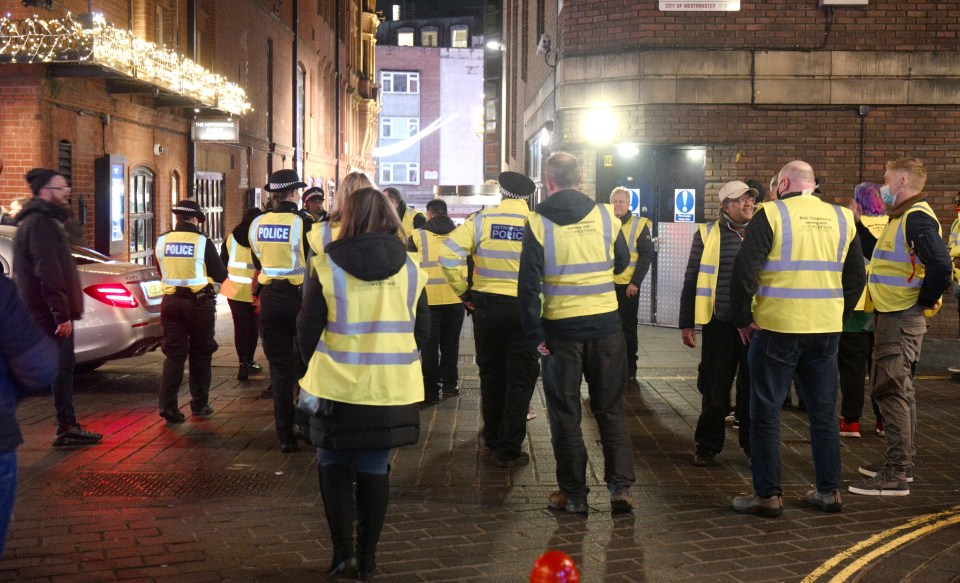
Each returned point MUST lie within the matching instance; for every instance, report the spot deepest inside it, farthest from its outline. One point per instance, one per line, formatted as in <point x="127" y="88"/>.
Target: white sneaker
<point x="531" y="412"/>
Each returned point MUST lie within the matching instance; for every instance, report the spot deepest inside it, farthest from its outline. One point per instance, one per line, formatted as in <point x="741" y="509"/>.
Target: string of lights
<point x="65" y="40"/>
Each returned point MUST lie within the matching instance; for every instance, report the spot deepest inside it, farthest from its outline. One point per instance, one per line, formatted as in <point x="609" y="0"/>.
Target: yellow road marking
<point x="838" y="558"/>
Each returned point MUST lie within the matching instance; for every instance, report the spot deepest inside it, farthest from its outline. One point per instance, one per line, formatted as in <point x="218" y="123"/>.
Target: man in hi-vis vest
<point x="189" y="265"/>
<point x="705" y="300"/>
<point x="572" y="247"/>
<point x="909" y="272"/>
<point x="798" y="275"/>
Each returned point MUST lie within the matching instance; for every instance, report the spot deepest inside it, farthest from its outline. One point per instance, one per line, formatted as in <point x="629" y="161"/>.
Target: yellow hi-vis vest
<point x="180" y="257"/>
<point x="895" y="272"/>
<point x="800" y="286"/>
<point x="578" y="264"/>
<point x="240" y="271"/>
<point x="277" y="241"/>
<point x="707" y="276"/>
<point x="429" y="245"/>
<point x="954" y="246"/>
<point x="494" y="237"/>
<point x="321" y="235"/>
<point x="631" y="230"/>
<point x="367" y="354"/>
<point x="407" y="220"/>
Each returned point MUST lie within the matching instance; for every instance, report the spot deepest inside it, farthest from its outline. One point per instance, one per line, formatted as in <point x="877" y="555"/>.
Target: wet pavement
<point x="215" y="500"/>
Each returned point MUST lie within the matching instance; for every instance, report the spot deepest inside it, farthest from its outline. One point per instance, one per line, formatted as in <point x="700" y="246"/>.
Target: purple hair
<point x="867" y="195"/>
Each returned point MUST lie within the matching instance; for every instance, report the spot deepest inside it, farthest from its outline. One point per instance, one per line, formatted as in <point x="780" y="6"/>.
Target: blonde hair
<point x="351" y="183"/>
<point x="368" y="211"/>
<point x="913" y="168"/>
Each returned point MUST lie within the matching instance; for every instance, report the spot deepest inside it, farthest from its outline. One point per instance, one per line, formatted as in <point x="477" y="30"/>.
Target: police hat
<point x="515" y="185"/>
<point x="189" y="208"/>
<point x="311" y="193"/>
<point x="284" y="180"/>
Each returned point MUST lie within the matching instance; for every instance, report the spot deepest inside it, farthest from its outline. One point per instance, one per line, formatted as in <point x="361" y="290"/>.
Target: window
<point x="399" y="127"/>
<point x="400" y="82"/>
<point x="429" y="37"/>
<point x="386" y="127"/>
<point x="396" y="12"/>
<point x="458" y="36"/>
<point x="413" y="126"/>
<point x="405" y="37"/>
<point x="400" y="173"/>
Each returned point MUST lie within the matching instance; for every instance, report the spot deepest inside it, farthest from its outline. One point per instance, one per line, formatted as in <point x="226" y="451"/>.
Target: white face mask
<point x="889" y="198"/>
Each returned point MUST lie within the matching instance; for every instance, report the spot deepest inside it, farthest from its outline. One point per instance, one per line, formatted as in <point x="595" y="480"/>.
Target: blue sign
<point x="273" y="233"/>
<point x="178" y="250"/>
<point x="684" y="205"/>
<point x="506" y="232"/>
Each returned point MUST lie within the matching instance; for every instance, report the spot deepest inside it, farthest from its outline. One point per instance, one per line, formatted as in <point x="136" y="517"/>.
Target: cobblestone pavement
<point x="216" y="500"/>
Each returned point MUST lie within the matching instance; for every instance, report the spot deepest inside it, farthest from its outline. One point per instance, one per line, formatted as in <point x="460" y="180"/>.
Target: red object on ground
<point x="554" y="567"/>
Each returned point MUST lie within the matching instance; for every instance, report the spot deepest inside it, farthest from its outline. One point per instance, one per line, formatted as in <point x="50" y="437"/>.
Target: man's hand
<point x="746" y="333"/>
<point x="632" y="290"/>
<point x="689" y="336"/>
<point x="542" y="349"/>
<point x="65" y="329"/>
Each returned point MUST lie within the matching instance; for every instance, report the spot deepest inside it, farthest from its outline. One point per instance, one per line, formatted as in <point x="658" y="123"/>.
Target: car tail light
<point x="115" y="294"/>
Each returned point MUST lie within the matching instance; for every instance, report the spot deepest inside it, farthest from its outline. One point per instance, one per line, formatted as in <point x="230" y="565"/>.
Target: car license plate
<point x="153" y="289"/>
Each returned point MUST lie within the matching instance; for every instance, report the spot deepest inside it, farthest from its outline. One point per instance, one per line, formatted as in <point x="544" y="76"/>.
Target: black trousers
<point x="188" y="332"/>
<point x="246" y="329"/>
<point x="628" y="308"/>
<point x="279" y="305"/>
<point x="508" y="371"/>
<point x="439" y="356"/>
<point x="723" y="357"/>
<point x="853" y="359"/>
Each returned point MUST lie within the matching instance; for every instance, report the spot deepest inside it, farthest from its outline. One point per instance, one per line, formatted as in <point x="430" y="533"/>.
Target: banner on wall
<point x="707" y="6"/>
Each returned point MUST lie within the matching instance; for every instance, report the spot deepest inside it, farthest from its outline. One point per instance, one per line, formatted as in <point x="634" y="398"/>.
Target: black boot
<point x="373" y="493"/>
<point x="243" y="373"/>
<point x="336" y="488"/>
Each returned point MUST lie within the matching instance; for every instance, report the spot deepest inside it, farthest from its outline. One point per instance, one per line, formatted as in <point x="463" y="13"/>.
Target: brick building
<point x="294" y="87"/>
<point x="666" y="100"/>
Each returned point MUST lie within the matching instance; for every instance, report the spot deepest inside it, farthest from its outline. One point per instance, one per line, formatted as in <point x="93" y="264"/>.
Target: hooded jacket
<point x="440" y="224"/>
<point x="44" y="267"/>
<point x="564" y="207"/>
<point x="369" y="257"/>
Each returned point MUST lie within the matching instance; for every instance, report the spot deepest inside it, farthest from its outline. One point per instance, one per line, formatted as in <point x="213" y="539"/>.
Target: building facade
<point x="131" y="125"/>
<point x="673" y="99"/>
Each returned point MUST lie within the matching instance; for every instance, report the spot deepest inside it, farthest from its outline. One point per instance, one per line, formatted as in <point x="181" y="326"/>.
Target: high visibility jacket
<point x="240" y="271"/>
<point x="180" y="256"/>
<point x="631" y="230"/>
<point x="895" y="272"/>
<point x="801" y="289"/>
<point x="407" y="220"/>
<point x="954" y="246"/>
<point x="875" y="225"/>
<point x="321" y="235"/>
<point x="706" y="297"/>
<point x="367" y="354"/>
<point x="429" y="245"/>
<point x="277" y="241"/>
<point x="494" y="237"/>
<point x="578" y="264"/>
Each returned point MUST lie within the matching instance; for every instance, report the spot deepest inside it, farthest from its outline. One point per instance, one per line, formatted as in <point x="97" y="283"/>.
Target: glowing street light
<point x="600" y="125"/>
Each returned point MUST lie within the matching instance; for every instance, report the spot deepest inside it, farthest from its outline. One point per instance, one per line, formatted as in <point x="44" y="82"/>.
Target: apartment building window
<point x="459" y="36"/>
<point x="405" y="37"/>
<point x="399" y="127"/>
<point x="400" y="81"/>
<point x="429" y="37"/>
<point x="400" y="173"/>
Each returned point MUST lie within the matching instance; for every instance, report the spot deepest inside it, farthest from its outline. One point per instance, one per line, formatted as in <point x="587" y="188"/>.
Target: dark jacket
<point x="44" y="267"/>
<point x="564" y="207"/>
<point x="369" y="257"/>
<point x="729" y="247"/>
<point x="241" y="234"/>
<point x="644" y="244"/>
<point x="757" y="243"/>
<point x="28" y="361"/>
<point x="211" y="260"/>
<point x="923" y="237"/>
<point x="440" y="224"/>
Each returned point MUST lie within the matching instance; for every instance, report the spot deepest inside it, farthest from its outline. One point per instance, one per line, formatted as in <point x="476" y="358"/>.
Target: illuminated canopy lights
<point x="65" y="40"/>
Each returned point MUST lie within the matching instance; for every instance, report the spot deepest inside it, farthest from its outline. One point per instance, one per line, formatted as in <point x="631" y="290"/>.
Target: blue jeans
<point x="8" y="489"/>
<point x="364" y="461"/>
<point x="774" y="359"/>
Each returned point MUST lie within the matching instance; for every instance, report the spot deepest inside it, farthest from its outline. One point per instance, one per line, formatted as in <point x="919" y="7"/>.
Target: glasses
<point x="58" y="188"/>
<point x="743" y="200"/>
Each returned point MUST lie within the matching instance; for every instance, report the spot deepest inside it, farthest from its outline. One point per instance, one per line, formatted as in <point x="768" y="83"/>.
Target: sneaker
<point x="736" y="423"/>
<point x="559" y="501"/>
<point x="254" y="368"/>
<point x="290" y="446"/>
<point x="878" y="429"/>
<point x="767" y="507"/>
<point x="531" y="413"/>
<point x="826" y="501"/>
<point x="877" y="467"/>
<point x="621" y="501"/>
<point x="451" y="390"/>
<point x="204" y="411"/>
<point x="172" y="415"/>
<point x="730" y="416"/>
<point x="882" y="484"/>
<point x="704" y="460"/>
<point x="517" y="460"/>
<point x="76" y="435"/>
<point x="849" y="429"/>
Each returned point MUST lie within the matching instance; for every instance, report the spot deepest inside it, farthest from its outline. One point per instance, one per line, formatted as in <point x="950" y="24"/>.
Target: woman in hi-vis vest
<point x="363" y="318"/>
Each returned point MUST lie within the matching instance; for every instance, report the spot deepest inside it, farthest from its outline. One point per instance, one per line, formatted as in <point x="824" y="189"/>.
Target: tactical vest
<point x="180" y="256"/>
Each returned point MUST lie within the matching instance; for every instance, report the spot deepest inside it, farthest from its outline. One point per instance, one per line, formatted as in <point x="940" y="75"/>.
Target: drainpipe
<point x="296" y="71"/>
<point x="336" y="77"/>
<point x="189" y="187"/>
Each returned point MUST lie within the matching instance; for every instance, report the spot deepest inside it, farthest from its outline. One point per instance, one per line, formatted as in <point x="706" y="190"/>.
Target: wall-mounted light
<point x="600" y="125"/>
<point x="495" y="45"/>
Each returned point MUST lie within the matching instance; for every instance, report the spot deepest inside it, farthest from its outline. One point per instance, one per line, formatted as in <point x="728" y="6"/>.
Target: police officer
<point x="410" y="218"/>
<point x="278" y="241"/>
<point x="508" y="366"/>
<point x="313" y="204"/>
<point x="238" y="289"/>
<point x="189" y="265"/>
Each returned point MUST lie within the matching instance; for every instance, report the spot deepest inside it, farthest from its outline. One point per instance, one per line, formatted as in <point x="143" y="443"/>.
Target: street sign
<point x="703" y="6"/>
<point x="684" y="205"/>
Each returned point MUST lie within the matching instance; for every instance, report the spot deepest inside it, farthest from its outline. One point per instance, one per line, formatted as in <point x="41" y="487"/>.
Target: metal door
<point x="210" y="196"/>
<point x="141" y="235"/>
<point x="655" y="174"/>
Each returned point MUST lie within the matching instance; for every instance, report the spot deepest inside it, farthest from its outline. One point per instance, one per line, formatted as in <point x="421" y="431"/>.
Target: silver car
<point x="121" y="305"/>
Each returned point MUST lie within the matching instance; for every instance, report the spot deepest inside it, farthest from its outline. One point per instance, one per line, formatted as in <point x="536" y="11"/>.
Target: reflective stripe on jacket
<point x="800" y="286"/>
<point x="631" y="230"/>
<point x="429" y="245"/>
<point x="240" y="271"/>
<point x="367" y="354"/>
<point x="709" y="270"/>
<point x="180" y="256"/>
<point x="895" y="272"/>
<point x="277" y="241"/>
